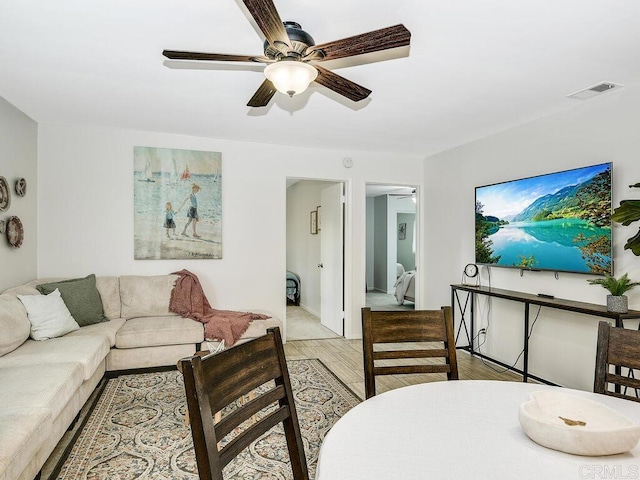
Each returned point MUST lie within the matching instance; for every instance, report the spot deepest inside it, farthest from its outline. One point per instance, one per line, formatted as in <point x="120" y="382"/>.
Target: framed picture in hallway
<point x="177" y="204"/>
<point x="313" y="222"/>
<point x="402" y="231"/>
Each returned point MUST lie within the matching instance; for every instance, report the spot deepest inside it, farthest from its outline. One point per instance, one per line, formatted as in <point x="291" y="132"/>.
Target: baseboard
<point x="309" y="310"/>
<point x="379" y="290"/>
<point x="135" y="371"/>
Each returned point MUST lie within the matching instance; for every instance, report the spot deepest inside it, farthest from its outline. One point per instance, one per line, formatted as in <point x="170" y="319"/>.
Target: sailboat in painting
<point x="186" y="175"/>
<point x="173" y="176"/>
<point x="148" y="174"/>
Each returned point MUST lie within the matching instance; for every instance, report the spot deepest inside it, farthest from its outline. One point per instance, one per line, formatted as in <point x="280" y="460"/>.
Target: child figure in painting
<point x="192" y="214"/>
<point x="169" y="223"/>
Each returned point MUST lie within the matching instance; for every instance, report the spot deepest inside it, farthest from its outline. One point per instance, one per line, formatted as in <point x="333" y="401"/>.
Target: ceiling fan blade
<point x="213" y="57"/>
<point x="341" y="85"/>
<point x="266" y="16"/>
<point x="263" y="95"/>
<point x="383" y="39"/>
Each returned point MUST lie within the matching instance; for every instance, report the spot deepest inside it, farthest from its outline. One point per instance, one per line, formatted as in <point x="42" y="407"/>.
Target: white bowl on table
<point x="576" y="425"/>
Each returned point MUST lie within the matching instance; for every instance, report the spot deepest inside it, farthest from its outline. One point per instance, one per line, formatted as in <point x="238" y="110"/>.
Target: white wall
<point x="86" y="219"/>
<point x="380" y="247"/>
<point x="599" y="130"/>
<point x="18" y="159"/>
<point x="370" y="218"/>
<point x="406" y="253"/>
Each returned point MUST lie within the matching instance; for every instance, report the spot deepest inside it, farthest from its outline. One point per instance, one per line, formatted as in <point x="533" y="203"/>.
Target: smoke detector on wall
<point x="594" y="90"/>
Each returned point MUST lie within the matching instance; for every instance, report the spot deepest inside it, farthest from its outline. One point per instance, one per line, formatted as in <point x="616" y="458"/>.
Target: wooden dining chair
<point x="617" y="348"/>
<point x="215" y="382"/>
<point x="405" y="327"/>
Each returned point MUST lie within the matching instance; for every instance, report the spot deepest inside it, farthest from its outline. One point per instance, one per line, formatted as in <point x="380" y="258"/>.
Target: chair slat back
<point x="403" y="327"/>
<point x="233" y="376"/>
<point x="221" y="383"/>
<point x="624" y="347"/>
<point x="410" y="326"/>
<point x="618" y="349"/>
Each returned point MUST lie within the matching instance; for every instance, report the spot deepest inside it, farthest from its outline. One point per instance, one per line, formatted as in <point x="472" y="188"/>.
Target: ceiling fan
<point x="291" y="55"/>
<point x="411" y="195"/>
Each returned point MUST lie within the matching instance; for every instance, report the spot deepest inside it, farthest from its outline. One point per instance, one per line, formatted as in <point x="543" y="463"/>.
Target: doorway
<point x="391" y="247"/>
<point x="315" y="257"/>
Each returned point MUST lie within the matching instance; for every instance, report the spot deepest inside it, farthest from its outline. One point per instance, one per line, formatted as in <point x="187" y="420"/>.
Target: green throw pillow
<point x="81" y="297"/>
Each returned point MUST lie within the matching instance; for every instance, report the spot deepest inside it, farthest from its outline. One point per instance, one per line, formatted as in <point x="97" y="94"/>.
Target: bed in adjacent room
<point x="405" y="287"/>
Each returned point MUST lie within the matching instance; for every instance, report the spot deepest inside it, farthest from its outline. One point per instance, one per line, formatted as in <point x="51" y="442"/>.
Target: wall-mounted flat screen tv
<point x="559" y="222"/>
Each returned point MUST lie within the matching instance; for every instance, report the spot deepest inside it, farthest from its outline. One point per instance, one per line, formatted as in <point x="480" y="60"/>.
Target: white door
<point x="331" y="266"/>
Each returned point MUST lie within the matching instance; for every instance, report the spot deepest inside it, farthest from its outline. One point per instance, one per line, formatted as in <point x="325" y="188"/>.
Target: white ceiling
<point x="374" y="190"/>
<point x="473" y="68"/>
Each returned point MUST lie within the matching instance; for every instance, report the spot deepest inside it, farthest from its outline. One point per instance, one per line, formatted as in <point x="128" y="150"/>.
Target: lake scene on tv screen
<point x="559" y="222"/>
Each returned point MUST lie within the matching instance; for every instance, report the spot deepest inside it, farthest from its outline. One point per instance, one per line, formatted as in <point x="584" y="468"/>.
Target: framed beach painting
<point x="177" y="204"/>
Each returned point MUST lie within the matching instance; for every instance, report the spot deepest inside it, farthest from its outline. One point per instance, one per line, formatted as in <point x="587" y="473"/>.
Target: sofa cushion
<point x="86" y="351"/>
<point x="156" y="331"/>
<point x="148" y="357"/>
<point x="106" y="329"/>
<point x="22" y="432"/>
<point x="26" y="289"/>
<point x="81" y="297"/>
<point x="48" y="315"/>
<point x="109" y="288"/>
<point x="14" y="324"/>
<point x="257" y="328"/>
<point x="47" y="385"/>
<point x="146" y="296"/>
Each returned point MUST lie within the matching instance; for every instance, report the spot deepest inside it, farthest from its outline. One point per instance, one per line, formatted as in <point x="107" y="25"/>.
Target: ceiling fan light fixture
<point x="290" y="76"/>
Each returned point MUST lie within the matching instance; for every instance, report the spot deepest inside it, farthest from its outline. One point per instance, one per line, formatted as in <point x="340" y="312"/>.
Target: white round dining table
<point x="466" y="429"/>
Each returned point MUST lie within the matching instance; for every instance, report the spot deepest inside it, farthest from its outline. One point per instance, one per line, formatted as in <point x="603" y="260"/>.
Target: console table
<point x="468" y="308"/>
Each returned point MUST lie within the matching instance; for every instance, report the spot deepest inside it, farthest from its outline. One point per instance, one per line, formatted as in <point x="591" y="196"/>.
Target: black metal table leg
<point x="525" y="360"/>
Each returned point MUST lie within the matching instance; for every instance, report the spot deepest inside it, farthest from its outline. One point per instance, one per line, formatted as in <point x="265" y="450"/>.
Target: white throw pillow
<point x="49" y="316"/>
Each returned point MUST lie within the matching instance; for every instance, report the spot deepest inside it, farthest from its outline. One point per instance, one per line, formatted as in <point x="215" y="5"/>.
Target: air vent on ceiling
<point x="593" y="91"/>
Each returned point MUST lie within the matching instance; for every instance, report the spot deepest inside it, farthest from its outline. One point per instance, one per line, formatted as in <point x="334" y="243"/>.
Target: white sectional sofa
<point x="44" y="384"/>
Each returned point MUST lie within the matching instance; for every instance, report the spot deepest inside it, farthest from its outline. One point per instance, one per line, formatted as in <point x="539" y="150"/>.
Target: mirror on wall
<point x="391" y="246"/>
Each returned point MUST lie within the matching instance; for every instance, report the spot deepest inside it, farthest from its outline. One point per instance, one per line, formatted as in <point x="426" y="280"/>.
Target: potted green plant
<point x="617" y="301"/>
<point x="627" y="213"/>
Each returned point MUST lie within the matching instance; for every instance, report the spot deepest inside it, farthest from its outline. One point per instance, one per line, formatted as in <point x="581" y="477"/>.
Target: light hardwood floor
<point x="303" y="325"/>
<point x="344" y="358"/>
<point x="382" y="301"/>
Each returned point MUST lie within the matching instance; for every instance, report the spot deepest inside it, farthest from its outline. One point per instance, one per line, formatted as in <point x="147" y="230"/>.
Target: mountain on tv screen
<point x="559" y="222"/>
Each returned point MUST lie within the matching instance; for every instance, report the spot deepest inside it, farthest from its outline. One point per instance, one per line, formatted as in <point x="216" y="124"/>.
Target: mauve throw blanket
<point x="188" y="299"/>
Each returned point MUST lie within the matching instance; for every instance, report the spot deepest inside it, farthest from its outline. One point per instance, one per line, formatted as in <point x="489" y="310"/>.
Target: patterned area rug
<point x="137" y="429"/>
